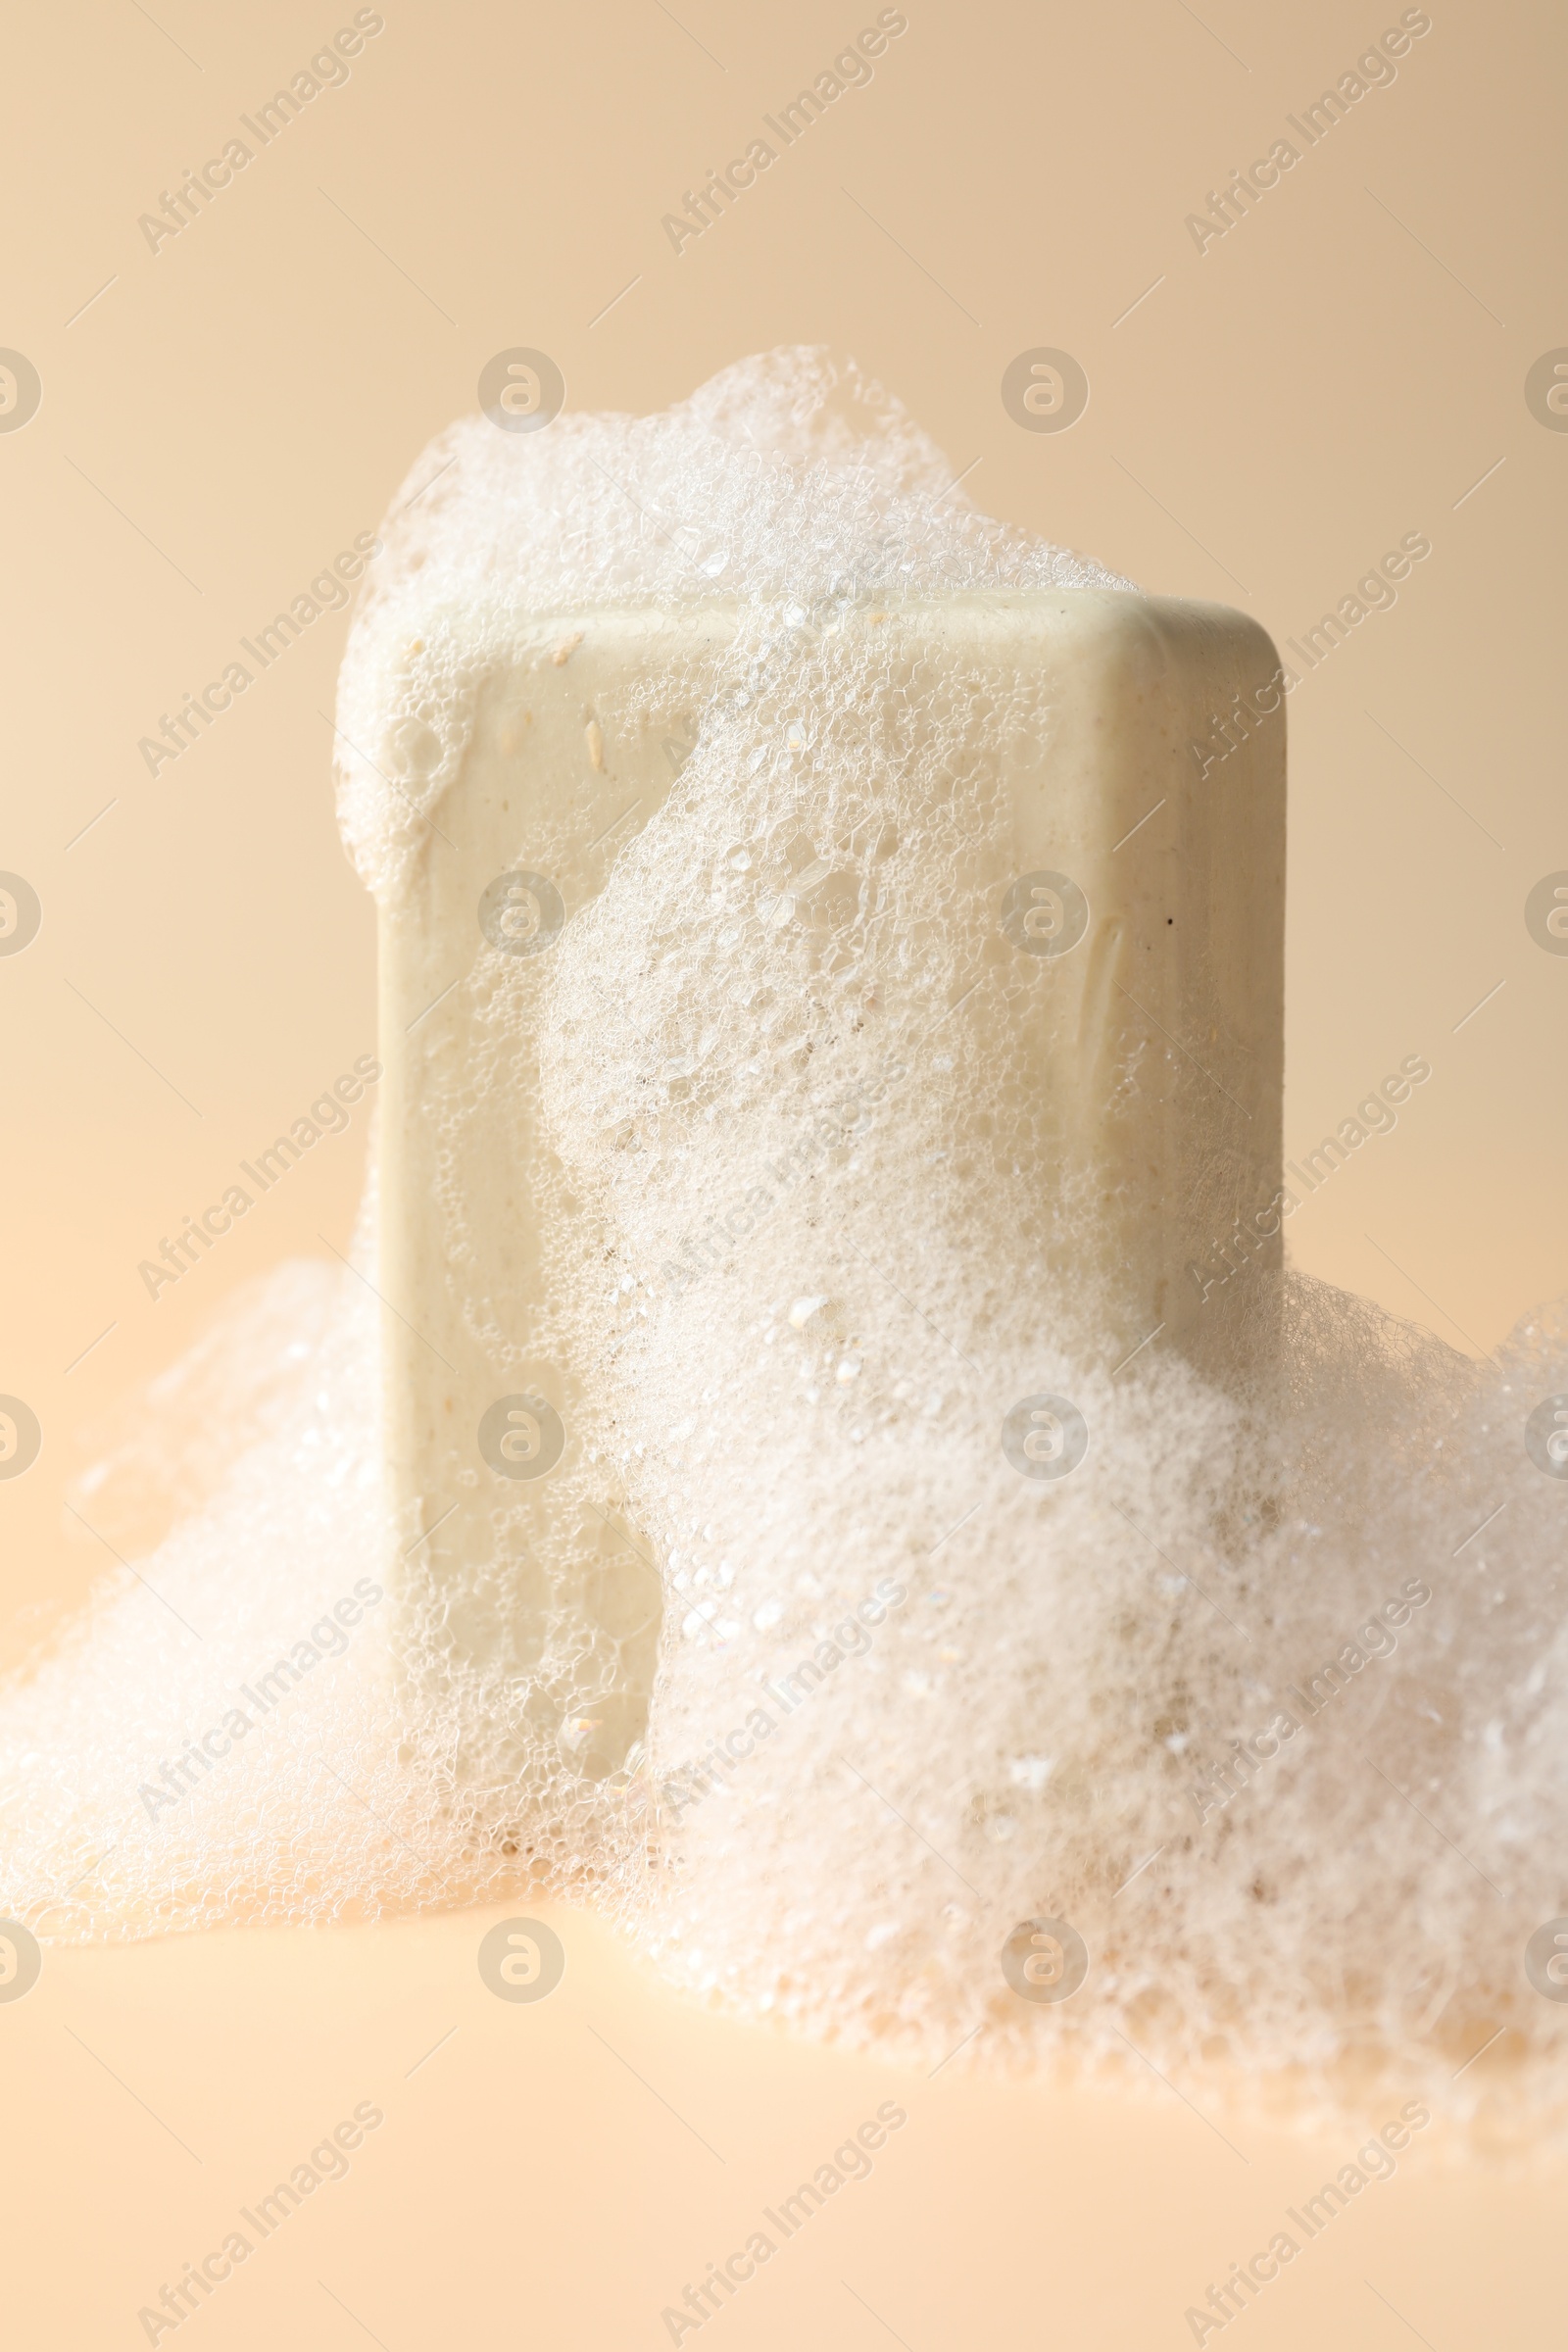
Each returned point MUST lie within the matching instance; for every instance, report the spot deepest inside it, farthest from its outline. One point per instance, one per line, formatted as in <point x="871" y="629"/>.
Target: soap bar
<point x="1145" y="883"/>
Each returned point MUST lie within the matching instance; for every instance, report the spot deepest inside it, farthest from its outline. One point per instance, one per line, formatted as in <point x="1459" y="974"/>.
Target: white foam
<point x="814" y="1418"/>
<point x="792" y="482"/>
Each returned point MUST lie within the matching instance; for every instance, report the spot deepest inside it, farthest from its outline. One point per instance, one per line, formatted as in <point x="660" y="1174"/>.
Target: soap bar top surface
<point x="792" y="484"/>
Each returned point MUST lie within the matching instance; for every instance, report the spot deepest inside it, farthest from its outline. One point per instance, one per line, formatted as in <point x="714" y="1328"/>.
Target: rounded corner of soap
<point x="1121" y="632"/>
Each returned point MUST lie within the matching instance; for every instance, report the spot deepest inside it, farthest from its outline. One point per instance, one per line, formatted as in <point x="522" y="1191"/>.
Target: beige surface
<point x="1338" y="370"/>
<point x="559" y="2173"/>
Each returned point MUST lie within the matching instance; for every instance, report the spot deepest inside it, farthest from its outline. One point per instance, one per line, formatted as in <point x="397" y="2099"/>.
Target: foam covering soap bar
<point x="1105" y="944"/>
<point x="827" y="1003"/>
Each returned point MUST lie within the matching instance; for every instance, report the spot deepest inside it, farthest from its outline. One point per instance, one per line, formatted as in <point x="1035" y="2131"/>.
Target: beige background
<point x="217" y="420"/>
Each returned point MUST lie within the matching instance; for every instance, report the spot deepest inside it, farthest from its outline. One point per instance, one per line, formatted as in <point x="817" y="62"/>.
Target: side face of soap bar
<point x="1158" y="1039"/>
<point x="1139" y="892"/>
<point x="504" y="1557"/>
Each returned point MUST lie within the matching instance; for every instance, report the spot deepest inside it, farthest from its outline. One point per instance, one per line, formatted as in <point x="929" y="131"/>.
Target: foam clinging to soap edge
<point x="1031" y="1721"/>
<point x="814" y="488"/>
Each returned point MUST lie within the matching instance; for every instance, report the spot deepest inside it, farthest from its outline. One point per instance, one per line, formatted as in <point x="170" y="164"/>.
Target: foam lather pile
<point x="1232" y="1722"/>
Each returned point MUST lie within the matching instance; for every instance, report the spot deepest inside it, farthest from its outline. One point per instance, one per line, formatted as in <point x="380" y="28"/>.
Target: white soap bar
<point x="1141" y="894"/>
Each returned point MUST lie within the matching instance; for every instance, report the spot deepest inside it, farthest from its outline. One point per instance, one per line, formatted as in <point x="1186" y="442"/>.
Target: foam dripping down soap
<point x="1066" y="1699"/>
